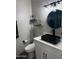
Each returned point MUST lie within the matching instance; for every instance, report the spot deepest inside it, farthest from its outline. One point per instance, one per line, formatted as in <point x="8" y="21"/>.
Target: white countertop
<point x="58" y="46"/>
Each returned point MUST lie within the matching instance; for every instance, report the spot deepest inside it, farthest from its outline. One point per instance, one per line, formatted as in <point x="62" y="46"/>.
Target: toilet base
<point x="31" y="55"/>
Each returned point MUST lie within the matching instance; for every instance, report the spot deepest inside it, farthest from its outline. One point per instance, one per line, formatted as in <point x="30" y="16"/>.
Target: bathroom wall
<point x="23" y="13"/>
<point x="41" y="13"/>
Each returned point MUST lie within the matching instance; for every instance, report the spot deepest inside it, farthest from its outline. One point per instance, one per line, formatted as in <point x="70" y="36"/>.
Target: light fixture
<point x="58" y="2"/>
<point x="45" y="5"/>
<point x="53" y="3"/>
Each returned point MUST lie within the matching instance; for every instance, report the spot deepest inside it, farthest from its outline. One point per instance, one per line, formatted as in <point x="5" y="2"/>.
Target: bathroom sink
<point x="51" y="39"/>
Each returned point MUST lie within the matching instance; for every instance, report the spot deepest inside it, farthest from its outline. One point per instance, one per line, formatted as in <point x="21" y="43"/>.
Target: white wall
<point x="41" y="12"/>
<point x="23" y="13"/>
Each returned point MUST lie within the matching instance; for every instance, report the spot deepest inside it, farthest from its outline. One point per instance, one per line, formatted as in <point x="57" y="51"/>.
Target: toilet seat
<point x="30" y="48"/>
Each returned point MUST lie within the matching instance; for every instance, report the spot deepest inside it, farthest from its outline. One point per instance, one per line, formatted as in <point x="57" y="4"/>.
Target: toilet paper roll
<point x="25" y="41"/>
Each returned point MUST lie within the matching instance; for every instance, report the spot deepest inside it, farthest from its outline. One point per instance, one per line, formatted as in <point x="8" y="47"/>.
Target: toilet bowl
<point x="30" y="50"/>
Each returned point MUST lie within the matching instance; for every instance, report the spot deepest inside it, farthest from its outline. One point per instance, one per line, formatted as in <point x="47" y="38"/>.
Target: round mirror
<point x="54" y="19"/>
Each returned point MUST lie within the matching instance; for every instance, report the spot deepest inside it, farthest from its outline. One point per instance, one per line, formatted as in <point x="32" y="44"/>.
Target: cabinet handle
<point x="61" y="54"/>
<point x="44" y="55"/>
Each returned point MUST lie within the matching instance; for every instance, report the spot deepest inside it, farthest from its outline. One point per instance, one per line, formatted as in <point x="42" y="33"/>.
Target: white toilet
<point x="30" y="50"/>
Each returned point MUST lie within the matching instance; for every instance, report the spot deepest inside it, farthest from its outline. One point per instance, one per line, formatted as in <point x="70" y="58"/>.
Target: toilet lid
<point x="54" y="19"/>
